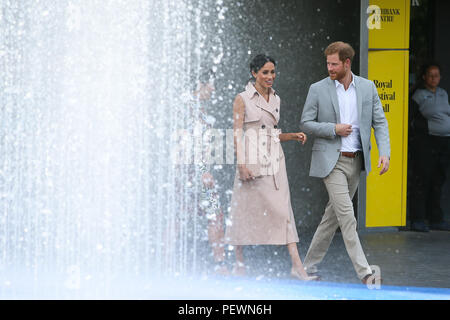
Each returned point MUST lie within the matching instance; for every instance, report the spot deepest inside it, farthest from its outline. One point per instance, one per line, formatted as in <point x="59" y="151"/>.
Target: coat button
<point x="263" y="126"/>
<point x="275" y="126"/>
<point x="276" y="110"/>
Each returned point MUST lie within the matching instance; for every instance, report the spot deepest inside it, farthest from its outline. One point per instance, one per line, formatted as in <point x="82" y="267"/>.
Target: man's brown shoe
<point x="371" y="279"/>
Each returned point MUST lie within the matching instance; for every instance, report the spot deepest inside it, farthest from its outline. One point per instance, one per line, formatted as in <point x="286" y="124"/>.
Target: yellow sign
<point x="388" y="23"/>
<point x="386" y="194"/>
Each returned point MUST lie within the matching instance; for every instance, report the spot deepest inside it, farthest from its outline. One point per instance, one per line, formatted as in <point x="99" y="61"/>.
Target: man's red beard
<point x="337" y="76"/>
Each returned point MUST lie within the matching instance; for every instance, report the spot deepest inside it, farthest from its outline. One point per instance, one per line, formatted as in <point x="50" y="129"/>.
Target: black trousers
<point x="431" y="169"/>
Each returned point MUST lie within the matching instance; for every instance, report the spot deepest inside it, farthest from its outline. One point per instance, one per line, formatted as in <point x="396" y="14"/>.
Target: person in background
<point x="199" y="191"/>
<point x="209" y="200"/>
<point x="430" y="114"/>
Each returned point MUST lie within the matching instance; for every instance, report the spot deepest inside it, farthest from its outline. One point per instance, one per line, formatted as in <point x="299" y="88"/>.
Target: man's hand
<point x="384" y="161"/>
<point x="343" y="129"/>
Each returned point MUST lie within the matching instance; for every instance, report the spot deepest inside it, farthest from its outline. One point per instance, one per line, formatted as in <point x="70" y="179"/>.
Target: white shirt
<point x="349" y="115"/>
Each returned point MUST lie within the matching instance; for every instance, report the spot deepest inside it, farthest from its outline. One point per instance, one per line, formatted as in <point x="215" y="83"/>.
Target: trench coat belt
<point x="276" y="140"/>
<point x="274" y="134"/>
<point x="275" y="180"/>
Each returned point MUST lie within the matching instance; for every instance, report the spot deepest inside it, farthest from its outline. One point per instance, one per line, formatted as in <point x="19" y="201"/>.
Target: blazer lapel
<point x="358" y="98"/>
<point x="334" y="99"/>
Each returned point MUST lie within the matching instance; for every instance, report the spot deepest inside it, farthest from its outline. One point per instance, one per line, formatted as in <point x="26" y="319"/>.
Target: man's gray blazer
<point x="321" y="114"/>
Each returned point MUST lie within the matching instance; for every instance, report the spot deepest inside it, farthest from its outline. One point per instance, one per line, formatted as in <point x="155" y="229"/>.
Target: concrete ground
<point x="414" y="266"/>
<point x="405" y="258"/>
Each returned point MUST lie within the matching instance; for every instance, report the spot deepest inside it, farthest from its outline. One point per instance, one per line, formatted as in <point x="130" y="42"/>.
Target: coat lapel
<point x="334" y="99"/>
<point x="268" y="106"/>
<point x="272" y="106"/>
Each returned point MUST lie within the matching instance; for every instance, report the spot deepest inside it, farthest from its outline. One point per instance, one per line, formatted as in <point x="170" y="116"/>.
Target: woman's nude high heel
<point x="297" y="275"/>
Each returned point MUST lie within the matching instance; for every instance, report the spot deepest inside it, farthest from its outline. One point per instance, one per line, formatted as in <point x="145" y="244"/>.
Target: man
<point x="340" y="111"/>
<point x="430" y="113"/>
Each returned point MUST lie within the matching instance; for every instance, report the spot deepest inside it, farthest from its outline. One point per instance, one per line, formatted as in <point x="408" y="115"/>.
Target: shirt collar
<point x="438" y="89"/>
<point x="251" y="90"/>
<point x="337" y="83"/>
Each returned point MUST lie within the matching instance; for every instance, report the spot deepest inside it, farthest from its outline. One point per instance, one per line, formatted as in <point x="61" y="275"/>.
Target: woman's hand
<point x="299" y="136"/>
<point x="244" y="173"/>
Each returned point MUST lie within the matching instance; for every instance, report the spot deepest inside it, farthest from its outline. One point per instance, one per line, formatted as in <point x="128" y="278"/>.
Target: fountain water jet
<point x="90" y="93"/>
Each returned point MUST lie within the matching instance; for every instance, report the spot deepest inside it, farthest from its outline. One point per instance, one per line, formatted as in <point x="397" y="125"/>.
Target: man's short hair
<point x="344" y="49"/>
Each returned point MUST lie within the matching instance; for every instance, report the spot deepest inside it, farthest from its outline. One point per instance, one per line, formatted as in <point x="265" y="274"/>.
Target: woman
<point x="261" y="211"/>
<point x="430" y="111"/>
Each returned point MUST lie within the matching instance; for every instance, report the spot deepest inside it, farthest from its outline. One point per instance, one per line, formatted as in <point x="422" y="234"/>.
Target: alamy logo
<point x="374" y="20"/>
<point x="259" y="148"/>
<point x="374" y="281"/>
